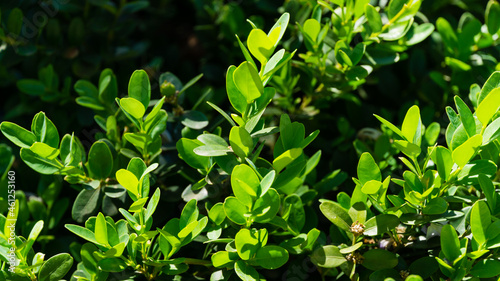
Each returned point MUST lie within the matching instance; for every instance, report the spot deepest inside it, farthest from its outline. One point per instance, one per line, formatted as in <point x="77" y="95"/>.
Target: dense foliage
<point x="128" y="172"/>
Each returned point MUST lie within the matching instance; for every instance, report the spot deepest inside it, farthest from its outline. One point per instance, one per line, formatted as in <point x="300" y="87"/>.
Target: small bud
<point x="357" y="228"/>
<point x="167" y="89"/>
<point x="404" y="274"/>
<point x="356" y="258"/>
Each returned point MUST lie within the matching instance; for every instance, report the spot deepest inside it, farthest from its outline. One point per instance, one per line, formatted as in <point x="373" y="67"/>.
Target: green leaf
<point x="86" y="89"/>
<point x="112" y="265"/>
<point x="15" y="21"/>
<point x="44" y="150"/>
<point x="44" y="130"/>
<point x="35" y="231"/>
<point x="368" y="169"/>
<point x="450" y="245"/>
<point x="419" y="33"/>
<point x="101" y="230"/>
<point x="312" y="28"/>
<point x="128" y="180"/>
<point x="286" y="158"/>
<point x="190" y="83"/>
<point x="247" y="80"/>
<point x="412" y="124"/>
<point x="194" y="120"/>
<point x="153" y="203"/>
<point x="395" y="7"/>
<point x="100" y="160"/>
<point x="139" y="88"/>
<point x="444" y="161"/>
<point x="491" y="132"/>
<point x="186" y="147"/>
<point x="55" y="268"/>
<point x="40" y="164"/>
<point x="31" y="87"/>
<point x="328" y="257"/>
<point x="189" y="213"/>
<point x="267" y="182"/>
<point x="241" y="141"/>
<point x="247" y="242"/>
<point x="489" y="191"/>
<point x="235" y="210"/>
<point x="408" y="148"/>
<point x="211" y="150"/>
<point x="86" y="204"/>
<point x="371" y="187"/>
<point x="217" y="214"/>
<point x="245" y="271"/>
<point x="466" y="116"/>
<point x="138" y="205"/>
<point x="279" y="28"/>
<point x="260" y="45"/>
<point x="271" y="257"/>
<point x="424" y="266"/>
<point x="390" y="126"/>
<point x="487" y="268"/>
<point x="462" y="154"/>
<point x="221" y="259"/>
<point x="336" y="214"/>
<point x="237" y="99"/>
<point x="380" y="224"/>
<point x="480" y="219"/>
<point x="267" y="206"/>
<point x="377" y="259"/>
<point x="374" y="19"/>
<point x="435" y="206"/>
<point x="18" y="135"/>
<point x="245" y="184"/>
<point x="490" y="84"/>
<point x="488" y="106"/>
<point x="492" y="17"/>
<point x="351" y="249"/>
<point x="108" y="86"/>
<point x="133" y="107"/>
<point x="448" y="35"/>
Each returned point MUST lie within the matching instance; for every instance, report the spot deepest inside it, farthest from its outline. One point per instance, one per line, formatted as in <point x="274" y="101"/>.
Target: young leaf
<point x="245" y="184"/>
<point x="286" y="158"/>
<point x="480" y="219"/>
<point x="236" y="98"/>
<point x="128" y="180"/>
<point x="139" y="87"/>
<point x="101" y="230"/>
<point x="488" y="107"/>
<point x="247" y="80"/>
<point x="466" y="116"/>
<point x="260" y="45"/>
<point x="412" y="125"/>
<point x="462" y="154"/>
<point x="241" y="141"/>
<point x="150" y="209"/>
<point x="44" y="130"/>
<point x="368" y="169"/>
